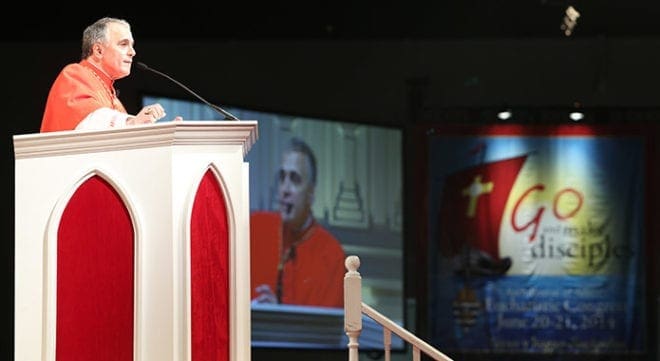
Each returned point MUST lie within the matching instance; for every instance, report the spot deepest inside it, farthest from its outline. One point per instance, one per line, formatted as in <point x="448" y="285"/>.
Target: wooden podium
<point x="133" y="244"/>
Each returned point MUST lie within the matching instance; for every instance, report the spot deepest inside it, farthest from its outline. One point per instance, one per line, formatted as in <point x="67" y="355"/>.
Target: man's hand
<point x="149" y="114"/>
<point x="264" y="295"/>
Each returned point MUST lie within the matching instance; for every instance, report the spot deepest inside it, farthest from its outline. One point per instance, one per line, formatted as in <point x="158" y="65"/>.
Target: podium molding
<point x="156" y="169"/>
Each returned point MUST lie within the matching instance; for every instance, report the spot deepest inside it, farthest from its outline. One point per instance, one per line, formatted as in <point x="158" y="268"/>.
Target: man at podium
<point x="294" y="260"/>
<point x="83" y="95"/>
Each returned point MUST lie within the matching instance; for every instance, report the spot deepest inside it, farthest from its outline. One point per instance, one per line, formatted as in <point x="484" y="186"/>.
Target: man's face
<point x="117" y="52"/>
<point x="296" y="192"/>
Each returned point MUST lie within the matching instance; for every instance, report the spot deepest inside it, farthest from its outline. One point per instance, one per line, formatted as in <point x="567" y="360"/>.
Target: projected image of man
<point x="295" y="260"/>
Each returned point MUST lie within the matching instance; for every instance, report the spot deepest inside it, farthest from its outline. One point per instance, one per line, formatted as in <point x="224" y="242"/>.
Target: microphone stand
<point x="228" y="116"/>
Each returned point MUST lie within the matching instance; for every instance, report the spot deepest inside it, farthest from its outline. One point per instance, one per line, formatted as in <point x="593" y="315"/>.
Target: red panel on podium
<point x="95" y="276"/>
<point x="209" y="273"/>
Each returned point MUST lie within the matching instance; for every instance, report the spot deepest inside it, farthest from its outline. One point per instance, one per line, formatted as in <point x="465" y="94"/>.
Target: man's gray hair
<point x="97" y="32"/>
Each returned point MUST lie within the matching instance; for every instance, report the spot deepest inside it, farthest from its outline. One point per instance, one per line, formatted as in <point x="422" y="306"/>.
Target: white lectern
<point x="133" y="244"/>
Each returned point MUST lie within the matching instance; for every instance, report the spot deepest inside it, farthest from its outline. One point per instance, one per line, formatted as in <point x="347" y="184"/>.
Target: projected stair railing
<point x="354" y="308"/>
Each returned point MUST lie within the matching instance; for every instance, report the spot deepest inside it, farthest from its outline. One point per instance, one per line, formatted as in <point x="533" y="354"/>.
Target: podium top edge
<point x="161" y="125"/>
<point x="187" y="132"/>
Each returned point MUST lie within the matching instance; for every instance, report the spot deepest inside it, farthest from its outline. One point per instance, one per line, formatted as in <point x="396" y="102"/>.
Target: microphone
<point x="227" y="115"/>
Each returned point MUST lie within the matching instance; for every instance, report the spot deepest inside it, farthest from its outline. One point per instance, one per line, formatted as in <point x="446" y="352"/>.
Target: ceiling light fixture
<point x="571" y="16"/>
<point x="576" y="116"/>
<point x="504" y="114"/>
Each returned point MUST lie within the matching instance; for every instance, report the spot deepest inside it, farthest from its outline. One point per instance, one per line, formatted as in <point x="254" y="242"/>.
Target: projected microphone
<point x="228" y="116"/>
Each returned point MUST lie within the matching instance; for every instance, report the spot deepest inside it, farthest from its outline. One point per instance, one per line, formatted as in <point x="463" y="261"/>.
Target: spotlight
<point x="504" y="114"/>
<point x="576" y="116"/>
<point x="569" y="23"/>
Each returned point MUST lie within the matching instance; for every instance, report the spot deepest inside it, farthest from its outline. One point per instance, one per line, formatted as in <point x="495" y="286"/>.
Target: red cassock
<point x="78" y="90"/>
<point x="313" y="274"/>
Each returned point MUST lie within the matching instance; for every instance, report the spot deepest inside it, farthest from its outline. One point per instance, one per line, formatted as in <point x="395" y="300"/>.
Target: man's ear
<point x="98" y="49"/>
<point x="310" y="195"/>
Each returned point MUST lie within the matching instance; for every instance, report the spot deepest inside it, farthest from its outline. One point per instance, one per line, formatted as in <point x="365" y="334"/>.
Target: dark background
<point x="404" y="66"/>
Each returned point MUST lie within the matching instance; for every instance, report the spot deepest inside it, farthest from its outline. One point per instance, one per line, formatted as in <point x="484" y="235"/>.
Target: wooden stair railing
<point x="354" y="308"/>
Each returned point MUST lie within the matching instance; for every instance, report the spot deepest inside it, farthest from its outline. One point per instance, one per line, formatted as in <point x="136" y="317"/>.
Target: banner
<point x="536" y="243"/>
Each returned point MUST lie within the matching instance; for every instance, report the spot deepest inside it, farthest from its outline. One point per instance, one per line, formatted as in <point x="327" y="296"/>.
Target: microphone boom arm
<point x="228" y="115"/>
